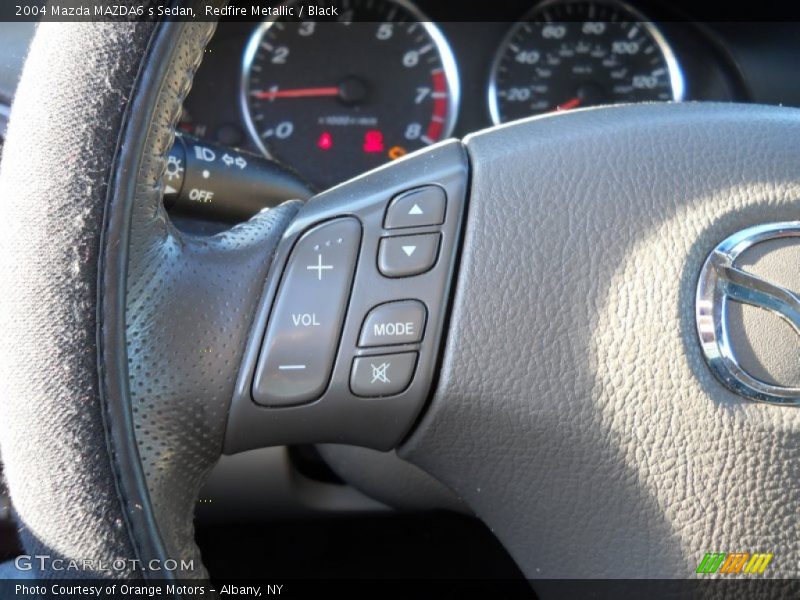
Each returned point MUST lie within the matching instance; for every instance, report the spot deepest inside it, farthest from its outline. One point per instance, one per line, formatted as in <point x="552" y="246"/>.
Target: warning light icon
<point x="373" y="141"/>
<point x="396" y="152"/>
<point x="325" y="141"/>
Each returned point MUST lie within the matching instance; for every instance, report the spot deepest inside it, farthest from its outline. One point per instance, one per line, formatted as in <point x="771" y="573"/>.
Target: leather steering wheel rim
<point x="123" y="441"/>
<point x="610" y="439"/>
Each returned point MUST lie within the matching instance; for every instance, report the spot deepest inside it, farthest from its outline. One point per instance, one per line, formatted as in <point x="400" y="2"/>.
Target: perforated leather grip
<point x="129" y="333"/>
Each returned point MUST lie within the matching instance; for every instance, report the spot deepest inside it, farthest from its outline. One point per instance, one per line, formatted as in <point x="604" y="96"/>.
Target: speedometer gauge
<point x="574" y="53"/>
<point x="335" y="98"/>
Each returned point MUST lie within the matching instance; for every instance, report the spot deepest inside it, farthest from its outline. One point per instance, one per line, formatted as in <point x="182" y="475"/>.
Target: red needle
<point x="573" y="103"/>
<point x="297" y="93"/>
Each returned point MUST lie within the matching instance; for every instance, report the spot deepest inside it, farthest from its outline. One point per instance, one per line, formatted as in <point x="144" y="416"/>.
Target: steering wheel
<point x="560" y="389"/>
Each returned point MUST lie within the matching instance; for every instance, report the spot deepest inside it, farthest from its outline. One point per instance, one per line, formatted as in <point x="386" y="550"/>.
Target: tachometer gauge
<point x="574" y="53"/>
<point x="335" y="98"/>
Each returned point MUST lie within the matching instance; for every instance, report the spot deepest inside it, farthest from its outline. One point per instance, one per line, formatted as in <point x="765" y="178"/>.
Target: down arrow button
<point x="406" y="255"/>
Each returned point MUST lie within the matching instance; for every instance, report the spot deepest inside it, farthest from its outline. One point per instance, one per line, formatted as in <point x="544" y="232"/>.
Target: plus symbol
<point x="319" y="267"/>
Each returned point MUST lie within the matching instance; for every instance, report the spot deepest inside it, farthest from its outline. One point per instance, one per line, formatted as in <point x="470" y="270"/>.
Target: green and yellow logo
<point x="733" y="563"/>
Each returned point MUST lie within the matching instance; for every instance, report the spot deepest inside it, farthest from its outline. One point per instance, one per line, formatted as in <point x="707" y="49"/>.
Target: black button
<point x="405" y="255"/>
<point x="416" y="208"/>
<point x="382" y="375"/>
<point x="394" y="323"/>
<point x="306" y="321"/>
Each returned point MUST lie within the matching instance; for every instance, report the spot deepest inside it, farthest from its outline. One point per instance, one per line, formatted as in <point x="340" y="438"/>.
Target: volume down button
<point x="308" y="312"/>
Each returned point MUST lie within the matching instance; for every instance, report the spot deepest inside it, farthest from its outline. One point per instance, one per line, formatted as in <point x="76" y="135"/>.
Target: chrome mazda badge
<point x="722" y="282"/>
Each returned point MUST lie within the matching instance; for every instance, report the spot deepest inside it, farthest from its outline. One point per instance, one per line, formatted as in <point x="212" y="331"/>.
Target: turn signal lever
<point x="218" y="183"/>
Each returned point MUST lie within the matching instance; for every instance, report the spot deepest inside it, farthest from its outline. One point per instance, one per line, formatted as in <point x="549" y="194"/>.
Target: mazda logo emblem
<point x="721" y="282"/>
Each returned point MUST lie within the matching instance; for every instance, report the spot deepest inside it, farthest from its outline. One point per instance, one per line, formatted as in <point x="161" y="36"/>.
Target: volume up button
<point x="305" y="325"/>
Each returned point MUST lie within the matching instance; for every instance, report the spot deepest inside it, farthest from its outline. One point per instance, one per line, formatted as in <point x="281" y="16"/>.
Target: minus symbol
<point x="291" y="367"/>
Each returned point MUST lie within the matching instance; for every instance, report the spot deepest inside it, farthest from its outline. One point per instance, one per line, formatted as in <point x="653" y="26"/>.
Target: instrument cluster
<point x="334" y="98"/>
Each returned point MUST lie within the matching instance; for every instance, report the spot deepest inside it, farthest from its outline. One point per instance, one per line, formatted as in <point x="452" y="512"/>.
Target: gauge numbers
<point x="333" y="99"/>
<point x="568" y="54"/>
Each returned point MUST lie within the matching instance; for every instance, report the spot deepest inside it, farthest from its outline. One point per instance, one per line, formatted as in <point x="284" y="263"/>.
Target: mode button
<point x="400" y="322"/>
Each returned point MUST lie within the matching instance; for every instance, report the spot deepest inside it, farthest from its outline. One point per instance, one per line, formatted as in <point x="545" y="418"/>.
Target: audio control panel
<point x="346" y="343"/>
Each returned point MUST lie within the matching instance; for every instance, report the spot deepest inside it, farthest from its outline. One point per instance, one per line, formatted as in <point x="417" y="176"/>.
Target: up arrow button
<point x="419" y="207"/>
